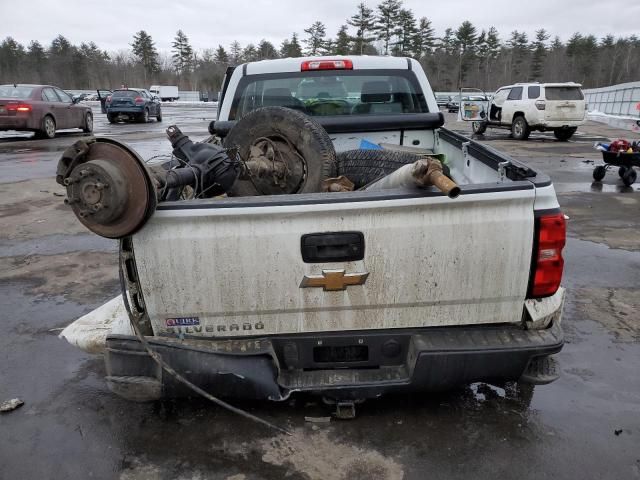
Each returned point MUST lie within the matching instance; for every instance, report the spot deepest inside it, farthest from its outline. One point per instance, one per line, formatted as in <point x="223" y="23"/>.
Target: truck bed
<point x="234" y="267"/>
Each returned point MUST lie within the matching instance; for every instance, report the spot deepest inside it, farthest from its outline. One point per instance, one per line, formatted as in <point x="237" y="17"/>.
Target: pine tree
<point x="36" y="61"/>
<point x="221" y="56"/>
<point x="387" y="25"/>
<point x="291" y="48"/>
<point x="249" y="53"/>
<point x="145" y="52"/>
<point x="406" y="31"/>
<point x="424" y="40"/>
<point x="539" y="49"/>
<point x="448" y="42"/>
<point x="519" y="52"/>
<point x="266" y="50"/>
<point x="182" y="54"/>
<point x="60" y="55"/>
<point x="342" y="44"/>
<point x="316" y="40"/>
<point x="488" y="50"/>
<point x="466" y="38"/>
<point x="364" y="22"/>
<point x="235" y="53"/>
<point x="12" y="56"/>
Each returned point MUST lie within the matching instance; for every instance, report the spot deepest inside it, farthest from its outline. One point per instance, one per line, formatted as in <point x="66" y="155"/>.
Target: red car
<point x="42" y="109"/>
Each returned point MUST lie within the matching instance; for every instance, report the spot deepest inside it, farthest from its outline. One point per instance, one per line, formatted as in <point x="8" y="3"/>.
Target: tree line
<point x="462" y="56"/>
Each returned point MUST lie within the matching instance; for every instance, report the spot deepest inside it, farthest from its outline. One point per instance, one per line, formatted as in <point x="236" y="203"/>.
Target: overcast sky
<point x="111" y="24"/>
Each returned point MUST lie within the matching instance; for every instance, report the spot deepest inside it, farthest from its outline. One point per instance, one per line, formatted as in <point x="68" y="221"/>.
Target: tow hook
<point x="345" y="410"/>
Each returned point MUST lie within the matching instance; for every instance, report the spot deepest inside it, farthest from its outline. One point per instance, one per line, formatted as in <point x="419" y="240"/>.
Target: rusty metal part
<point x="108" y="187"/>
<point x="275" y="167"/>
<point x="422" y="173"/>
<point x="338" y="184"/>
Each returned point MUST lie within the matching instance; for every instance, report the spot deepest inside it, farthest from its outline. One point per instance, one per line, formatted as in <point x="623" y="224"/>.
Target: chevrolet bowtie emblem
<point x="333" y="280"/>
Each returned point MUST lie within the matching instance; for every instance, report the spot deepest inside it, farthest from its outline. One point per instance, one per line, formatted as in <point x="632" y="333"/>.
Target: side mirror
<point x="75" y="100"/>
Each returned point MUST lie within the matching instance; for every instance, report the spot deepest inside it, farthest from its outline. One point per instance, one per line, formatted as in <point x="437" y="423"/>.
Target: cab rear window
<point x="327" y="93"/>
<point x="563" y="93"/>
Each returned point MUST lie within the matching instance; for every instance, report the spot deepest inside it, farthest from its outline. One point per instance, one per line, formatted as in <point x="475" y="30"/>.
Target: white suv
<point x="525" y="107"/>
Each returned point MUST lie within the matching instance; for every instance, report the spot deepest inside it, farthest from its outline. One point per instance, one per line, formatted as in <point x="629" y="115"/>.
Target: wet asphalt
<point x="585" y="425"/>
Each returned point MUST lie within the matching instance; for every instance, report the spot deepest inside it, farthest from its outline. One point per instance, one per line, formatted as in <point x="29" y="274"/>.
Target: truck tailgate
<point x="232" y="269"/>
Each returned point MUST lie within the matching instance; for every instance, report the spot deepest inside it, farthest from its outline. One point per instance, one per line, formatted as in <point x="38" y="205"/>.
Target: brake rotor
<point x="111" y="192"/>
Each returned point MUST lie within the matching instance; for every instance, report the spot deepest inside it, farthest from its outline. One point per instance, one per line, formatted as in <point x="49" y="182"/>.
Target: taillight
<point x="541" y="105"/>
<point x="548" y="264"/>
<point x="139" y="100"/>
<point x="326" y="65"/>
<point x="20" y="107"/>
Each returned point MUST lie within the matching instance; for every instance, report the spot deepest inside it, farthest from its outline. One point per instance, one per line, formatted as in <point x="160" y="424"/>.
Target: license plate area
<point x="342" y="350"/>
<point x="341" y="354"/>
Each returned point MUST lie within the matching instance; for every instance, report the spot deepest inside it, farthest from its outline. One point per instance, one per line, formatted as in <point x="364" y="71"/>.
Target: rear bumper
<point x="427" y="359"/>
<point x="560" y="123"/>
<point x="14" y="123"/>
<point x="125" y="110"/>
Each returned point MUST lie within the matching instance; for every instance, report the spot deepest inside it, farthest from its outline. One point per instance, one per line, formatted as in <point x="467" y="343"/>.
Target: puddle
<point x="597" y="187"/>
<point x="590" y="264"/>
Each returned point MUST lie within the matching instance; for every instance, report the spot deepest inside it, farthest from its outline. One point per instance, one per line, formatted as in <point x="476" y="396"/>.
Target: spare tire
<point x="365" y="166"/>
<point x="301" y="144"/>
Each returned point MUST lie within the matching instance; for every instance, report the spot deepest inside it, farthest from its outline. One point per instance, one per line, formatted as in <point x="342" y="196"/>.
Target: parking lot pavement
<point x="585" y="425"/>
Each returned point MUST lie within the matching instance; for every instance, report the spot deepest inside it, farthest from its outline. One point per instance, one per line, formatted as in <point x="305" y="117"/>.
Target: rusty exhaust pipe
<point x="422" y="173"/>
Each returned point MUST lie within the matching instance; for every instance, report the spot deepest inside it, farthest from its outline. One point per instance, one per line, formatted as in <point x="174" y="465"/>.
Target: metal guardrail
<point x="622" y="99"/>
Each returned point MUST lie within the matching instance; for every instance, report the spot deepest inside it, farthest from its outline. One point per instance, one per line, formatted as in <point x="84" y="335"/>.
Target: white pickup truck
<point x="348" y="294"/>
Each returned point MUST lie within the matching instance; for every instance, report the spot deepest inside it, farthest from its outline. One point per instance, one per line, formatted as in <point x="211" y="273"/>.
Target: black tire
<point x="478" y="127"/>
<point x="564" y="134"/>
<point x="365" y="166"/>
<point x="629" y="177"/>
<point x="48" y="128"/>
<point x="88" y="123"/>
<point x="310" y="140"/>
<point x="159" y="116"/>
<point x="111" y="117"/>
<point x="144" y="116"/>
<point x="621" y="171"/>
<point x="520" y="128"/>
<point x="599" y="172"/>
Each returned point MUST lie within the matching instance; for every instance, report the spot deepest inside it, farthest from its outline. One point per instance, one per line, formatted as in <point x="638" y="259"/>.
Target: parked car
<point x="352" y="296"/>
<point x="443" y="100"/>
<point x="525" y="107"/>
<point x="80" y="97"/>
<point x="42" y="109"/>
<point x="133" y="104"/>
<point x="453" y="105"/>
